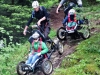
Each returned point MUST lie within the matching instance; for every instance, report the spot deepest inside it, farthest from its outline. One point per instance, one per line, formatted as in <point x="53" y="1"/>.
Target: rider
<point x="41" y="14"/>
<point x="71" y="18"/>
<point x="38" y="48"/>
<point x="71" y="4"/>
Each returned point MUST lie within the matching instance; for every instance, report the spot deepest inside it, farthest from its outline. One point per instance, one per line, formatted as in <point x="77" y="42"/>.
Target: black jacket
<point x="38" y="15"/>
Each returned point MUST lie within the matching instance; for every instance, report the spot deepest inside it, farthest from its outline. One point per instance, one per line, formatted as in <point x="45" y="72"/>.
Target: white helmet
<point x="35" y="4"/>
<point x="71" y="12"/>
<point x="35" y="35"/>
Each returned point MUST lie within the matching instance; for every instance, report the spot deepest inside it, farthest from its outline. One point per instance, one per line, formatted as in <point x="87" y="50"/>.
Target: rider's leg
<point x="46" y="29"/>
<point x="81" y="22"/>
<point x="70" y="6"/>
<point x="46" y="32"/>
<point x="29" y="59"/>
<point x="34" y="60"/>
<point x="65" y="20"/>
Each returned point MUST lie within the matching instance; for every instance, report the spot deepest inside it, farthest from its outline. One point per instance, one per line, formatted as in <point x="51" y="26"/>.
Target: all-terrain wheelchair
<point x="74" y="30"/>
<point x="43" y="63"/>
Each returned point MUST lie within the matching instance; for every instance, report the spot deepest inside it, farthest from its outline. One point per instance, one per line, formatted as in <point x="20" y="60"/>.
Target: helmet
<point x="71" y="11"/>
<point x="35" y="35"/>
<point x="35" y="4"/>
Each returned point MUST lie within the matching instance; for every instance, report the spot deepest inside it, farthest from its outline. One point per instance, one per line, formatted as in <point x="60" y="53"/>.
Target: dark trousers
<point x="70" y="6"/>
<point x="45" y="29"/>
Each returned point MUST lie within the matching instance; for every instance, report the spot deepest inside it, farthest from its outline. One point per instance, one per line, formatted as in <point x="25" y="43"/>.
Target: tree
<point x="12" y="2"/>
<point x="91" y="1"/>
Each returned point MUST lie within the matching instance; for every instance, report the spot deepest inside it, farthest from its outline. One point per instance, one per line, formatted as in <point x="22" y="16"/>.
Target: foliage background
<point x="14" y="15"/>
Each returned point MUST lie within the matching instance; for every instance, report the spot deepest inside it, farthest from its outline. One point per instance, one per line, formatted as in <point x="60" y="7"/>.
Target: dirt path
<point x="69" y="46"/>
<point x="56" y="19"/>
<point x="56" y="22"/>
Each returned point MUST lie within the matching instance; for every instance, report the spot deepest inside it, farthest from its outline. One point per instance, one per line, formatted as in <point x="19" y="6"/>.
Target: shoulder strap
<point x="41" y="8"/>
<point x="75" y="18"/>
<point x="40" y="46"/>
<point x="69" y="20"/>
<point x="33" y="14"/>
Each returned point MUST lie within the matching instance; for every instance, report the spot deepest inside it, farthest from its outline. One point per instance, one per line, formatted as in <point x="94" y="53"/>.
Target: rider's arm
<point x="79" y="2"/>
<point x="44" y="48"/>
<point x="30" y="20"/>
<point x="45" y="15"/>
<point x="26" y="27"/>
<point x="28" y="23"/>
<point x="45" y="12"/>
<point x="42" y="19"/>
<point x="60" y="4"/>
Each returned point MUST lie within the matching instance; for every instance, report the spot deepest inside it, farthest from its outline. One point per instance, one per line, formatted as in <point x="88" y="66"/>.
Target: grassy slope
<point x="85" y="61"/>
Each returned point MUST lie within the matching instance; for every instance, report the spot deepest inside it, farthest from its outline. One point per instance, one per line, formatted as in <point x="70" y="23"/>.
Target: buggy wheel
<point x="85" y="29"/>
<point x="47" y="67"/>
<point x="61" y="33"/>
<point x="48" y="43"/>
<point x="19" y="68"/>
<point x="60" y="47"/>
<point x="86" y="33"/>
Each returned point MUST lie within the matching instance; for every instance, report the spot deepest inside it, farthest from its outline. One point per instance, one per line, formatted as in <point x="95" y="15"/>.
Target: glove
<point x="38" y="54"/>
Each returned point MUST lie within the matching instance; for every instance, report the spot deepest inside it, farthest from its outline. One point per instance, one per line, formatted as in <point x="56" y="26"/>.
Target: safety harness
<point x="39" y="47"/>
<point x="69" y="20"/>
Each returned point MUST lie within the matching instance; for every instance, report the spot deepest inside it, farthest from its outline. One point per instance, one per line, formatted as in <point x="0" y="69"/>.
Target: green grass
<point x="52" y="33"/>
<point x="85" y="61"/>
<point x="11" y="59"/>
<point x="49" y="3"/>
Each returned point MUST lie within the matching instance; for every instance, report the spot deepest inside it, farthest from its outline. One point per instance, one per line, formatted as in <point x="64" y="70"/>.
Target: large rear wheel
<point x="47" y="67"/>
<point x="48" y="43"/>
<point x="19" y="68"/>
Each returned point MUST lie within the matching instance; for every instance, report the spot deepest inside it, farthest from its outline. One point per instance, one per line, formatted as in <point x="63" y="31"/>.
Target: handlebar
<point x="34" y="26"/>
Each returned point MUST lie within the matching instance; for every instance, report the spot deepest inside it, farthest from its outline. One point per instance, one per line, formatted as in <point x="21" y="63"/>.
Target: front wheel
<point x="86" y="33"/>
<point x="19" y="68"/>
<point x="61" y="33"/>
<point x="48" y="43"/>
<point x="60" y="47"/>
<point x="47" y="67"/>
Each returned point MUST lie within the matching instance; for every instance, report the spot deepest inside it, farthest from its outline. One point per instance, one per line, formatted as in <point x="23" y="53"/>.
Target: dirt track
<point x="69" y="47"/>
